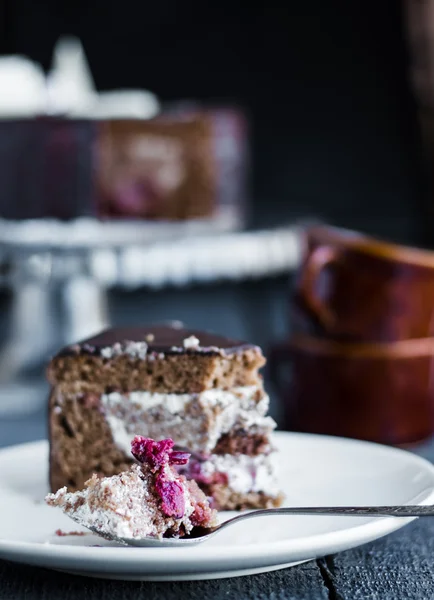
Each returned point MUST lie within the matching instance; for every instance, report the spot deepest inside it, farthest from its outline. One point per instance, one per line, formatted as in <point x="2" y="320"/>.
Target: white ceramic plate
<point x="315" y="470"/>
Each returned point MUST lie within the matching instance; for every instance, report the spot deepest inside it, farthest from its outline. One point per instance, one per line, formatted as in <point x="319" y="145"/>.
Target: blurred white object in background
<point x="71" y="89"/>
<point x="23" y="88"/>
<point x="68" y="89"/>
<point x="180" y="262"/>
<point x="84" y="291"/>
<point x="22" y="390"/>
<point x="126" y="104"/>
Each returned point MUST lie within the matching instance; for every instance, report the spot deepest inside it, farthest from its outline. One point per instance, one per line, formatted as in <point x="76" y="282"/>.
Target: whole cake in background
<point x="202" y="390"/>
<point x="182" y="165"/>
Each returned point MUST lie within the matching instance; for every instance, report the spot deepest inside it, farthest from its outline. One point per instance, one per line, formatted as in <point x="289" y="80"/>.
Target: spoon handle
<point x="346" y="511"/>
<point x="359" y="511"/>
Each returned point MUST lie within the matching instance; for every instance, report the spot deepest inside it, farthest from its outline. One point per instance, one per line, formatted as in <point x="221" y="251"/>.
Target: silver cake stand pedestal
<point x="60" y="274"/>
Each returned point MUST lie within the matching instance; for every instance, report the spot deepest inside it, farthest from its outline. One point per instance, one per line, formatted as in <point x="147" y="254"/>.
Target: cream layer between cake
<point x="193" y="421"/>
<point x="241" y="473"/>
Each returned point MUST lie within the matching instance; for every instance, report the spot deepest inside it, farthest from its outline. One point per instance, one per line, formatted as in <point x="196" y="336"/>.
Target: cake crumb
<point x="61" y="533"/>
<point x="191" y="342"/>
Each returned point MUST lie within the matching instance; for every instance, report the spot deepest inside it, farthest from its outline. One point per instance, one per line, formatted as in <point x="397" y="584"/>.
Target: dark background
<point x="325" y="83"/>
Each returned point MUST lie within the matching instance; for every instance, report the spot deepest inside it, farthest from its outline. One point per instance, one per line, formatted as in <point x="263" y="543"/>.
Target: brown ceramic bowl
<point x="377" y="392"/>
<point x="355" y="288"/>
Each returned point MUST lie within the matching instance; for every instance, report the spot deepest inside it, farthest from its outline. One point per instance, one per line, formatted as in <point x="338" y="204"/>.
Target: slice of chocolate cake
<point x="202" y="390"/>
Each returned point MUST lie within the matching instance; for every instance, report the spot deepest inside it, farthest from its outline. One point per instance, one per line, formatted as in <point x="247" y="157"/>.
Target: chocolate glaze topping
<point x="156" y="339"/>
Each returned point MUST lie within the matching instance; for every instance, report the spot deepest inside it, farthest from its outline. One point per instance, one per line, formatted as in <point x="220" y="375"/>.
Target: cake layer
<point x="90" y="433"/>
<point x="224" y="498"/>
<point x="164" y="358"/>
<point x="194" y="421"/>
<point x="240" y="441"/>
<point x="81" y="443"/>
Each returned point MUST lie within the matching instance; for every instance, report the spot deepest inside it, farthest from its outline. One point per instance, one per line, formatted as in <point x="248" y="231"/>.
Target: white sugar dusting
<point x="107" y="352"/>
<point x="136" y="349"/>
<point x="191" y="342"/>
<point x="132" y="349"/>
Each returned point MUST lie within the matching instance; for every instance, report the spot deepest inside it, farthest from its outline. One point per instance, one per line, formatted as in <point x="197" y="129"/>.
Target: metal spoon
<point x="201" y="534"/>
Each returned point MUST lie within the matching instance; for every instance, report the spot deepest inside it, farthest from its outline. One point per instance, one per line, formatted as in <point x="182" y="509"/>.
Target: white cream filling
<point x="220" y="411"/>
<point x="245" y="473"/>
<point x="176" y="402"/>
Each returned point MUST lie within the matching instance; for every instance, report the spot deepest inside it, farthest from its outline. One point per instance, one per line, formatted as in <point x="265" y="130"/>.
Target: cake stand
<point x="60" y="275"/>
